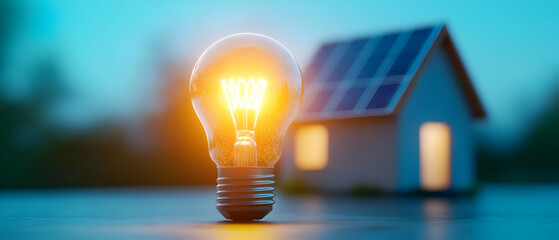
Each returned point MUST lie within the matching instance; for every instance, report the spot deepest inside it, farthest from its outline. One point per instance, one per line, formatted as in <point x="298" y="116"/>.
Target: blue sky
<point x="106" y="48"/>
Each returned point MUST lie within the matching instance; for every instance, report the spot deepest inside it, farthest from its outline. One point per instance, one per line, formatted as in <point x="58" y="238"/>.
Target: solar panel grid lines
<point x="377" y="56"/>
<point x="330" y="63"/>
<point x="382" y="96"/>
<point x="315" y="101"/>
<point x="347" y="60"/>
<point x="349" y="99"/>
<point x="361" y="60"/>
<point x="409" y="52"/>
<point x="402" y="64"/>
<point x="381" y="72"/>
<point x="348" y="79"/>
<point x="318" y="61"/>
<point x="424" y="49"/>
<point x="360" y="82"/>
<point x="393" y="79"/>
<point x="364" y="76"/>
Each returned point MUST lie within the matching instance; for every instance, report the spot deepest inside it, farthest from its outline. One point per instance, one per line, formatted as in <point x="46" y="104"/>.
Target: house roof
<point x="371" y="76"/>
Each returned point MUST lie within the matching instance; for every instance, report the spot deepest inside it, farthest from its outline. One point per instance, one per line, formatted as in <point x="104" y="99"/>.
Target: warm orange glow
<point x="243" y="232"/>
<point x="435" y="147"/>
<point x="244" y="100"/>
<point x="311" y="147"/>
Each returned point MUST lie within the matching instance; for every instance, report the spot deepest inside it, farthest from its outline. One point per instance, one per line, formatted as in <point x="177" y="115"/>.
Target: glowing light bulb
<point x="246" y="89"/>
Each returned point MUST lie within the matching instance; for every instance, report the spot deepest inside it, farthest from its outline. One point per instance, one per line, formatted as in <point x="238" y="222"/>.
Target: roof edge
<point x="464" y="77"/>
<point x="444" y="40"/>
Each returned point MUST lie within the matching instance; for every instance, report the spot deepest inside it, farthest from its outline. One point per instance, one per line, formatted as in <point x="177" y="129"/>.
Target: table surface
<point x="496" y="212"/>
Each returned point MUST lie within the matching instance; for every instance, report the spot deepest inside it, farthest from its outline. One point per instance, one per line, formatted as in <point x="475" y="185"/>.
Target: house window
<point x="435" y="149"/>
<point x="311" y="147"/>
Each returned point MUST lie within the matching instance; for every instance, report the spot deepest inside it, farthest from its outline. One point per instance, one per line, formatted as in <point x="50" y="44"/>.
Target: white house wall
<point x="436" y="96"/>
<point x="362" y="152"/>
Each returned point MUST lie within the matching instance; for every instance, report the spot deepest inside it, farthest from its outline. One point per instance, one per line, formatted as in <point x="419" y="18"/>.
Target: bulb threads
<point x="245" y="193"/>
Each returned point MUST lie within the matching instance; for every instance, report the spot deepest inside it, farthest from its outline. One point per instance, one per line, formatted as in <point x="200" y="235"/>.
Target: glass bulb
<point x="246" y="89"/>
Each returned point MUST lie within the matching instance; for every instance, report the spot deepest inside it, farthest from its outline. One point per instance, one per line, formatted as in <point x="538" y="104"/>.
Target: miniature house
<point x="392" y="112"/>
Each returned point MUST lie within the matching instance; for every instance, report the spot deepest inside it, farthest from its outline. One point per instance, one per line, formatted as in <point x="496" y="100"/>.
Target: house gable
<point x="436" y="96"/>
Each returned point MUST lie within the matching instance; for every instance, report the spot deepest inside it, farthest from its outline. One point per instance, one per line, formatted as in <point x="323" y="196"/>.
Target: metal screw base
<point x="245" y="193"/>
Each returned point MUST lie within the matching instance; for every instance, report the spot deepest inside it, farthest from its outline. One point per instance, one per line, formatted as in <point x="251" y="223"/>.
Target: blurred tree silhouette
<point x="537" y="160"/>
<point x="25" y="136"/>
<point x="16" y="128"/>
<point x="34" y="153"/>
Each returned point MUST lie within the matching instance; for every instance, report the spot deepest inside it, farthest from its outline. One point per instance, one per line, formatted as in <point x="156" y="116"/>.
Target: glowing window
<point x="435" y="147"/>
<point x="311" y="147"/>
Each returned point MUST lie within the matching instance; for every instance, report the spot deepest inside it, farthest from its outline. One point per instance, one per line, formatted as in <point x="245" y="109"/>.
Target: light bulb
<point x="246" y="89"/>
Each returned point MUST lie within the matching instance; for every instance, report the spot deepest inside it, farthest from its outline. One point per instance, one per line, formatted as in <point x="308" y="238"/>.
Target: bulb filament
<point x="244" y="99"/>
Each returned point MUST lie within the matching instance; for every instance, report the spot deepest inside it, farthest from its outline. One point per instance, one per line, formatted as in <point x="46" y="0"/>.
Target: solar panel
<point x="382" y="96"/>
<point x="347" y="60"/>
<point x="410" y="51"/>
<point x="364" y="74"/>
<point x="319" y="60"/>
<point x="395" y="79"/>
<point x="350" y="99"/>
<point x="378" y="55"/>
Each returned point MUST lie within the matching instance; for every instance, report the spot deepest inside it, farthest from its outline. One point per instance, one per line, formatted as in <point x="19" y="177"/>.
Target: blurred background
<point x="95" y="93"/>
